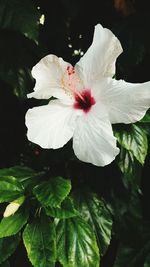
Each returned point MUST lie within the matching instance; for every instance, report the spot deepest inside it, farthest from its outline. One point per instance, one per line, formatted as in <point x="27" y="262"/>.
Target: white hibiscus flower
<point x="88" y="101"/>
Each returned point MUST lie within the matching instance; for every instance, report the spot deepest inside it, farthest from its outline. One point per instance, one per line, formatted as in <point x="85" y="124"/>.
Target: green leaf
<point x="22" y="174"/>
<point x="13" y="224"/>
<point x="126" y="161"/>
<point x="8" y="246"/>
<point x="134" y="140"/>
<point x="131" y="169"/>
<point x="40" y="241"/>
<point x="76" y="243"/>
<point x="10" y="188"/>
<point x="66" y="210"/>
<point x="21" y="16"/>
<point x="146" y="118"/>
<point x="95" y="212"/>
<point x="5" y="264"/>
<point x="52" y="192"/>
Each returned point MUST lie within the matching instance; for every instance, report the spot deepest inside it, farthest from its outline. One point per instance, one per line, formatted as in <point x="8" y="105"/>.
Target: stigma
<point x="84" y="101"/>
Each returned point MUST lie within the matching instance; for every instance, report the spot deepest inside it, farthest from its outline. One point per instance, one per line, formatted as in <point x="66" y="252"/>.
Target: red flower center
<point x="85" y="101"/>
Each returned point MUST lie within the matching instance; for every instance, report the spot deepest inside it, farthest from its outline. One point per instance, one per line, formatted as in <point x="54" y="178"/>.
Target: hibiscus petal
<point x="100" y="58"/>
<point x="52" y="125"/>
<point x="48" y="73"/>
<point x="126" y="102"/>
<point x="93" y="139"/>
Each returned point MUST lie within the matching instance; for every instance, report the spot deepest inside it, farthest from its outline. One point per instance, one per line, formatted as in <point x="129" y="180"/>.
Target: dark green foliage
<point x="10" y="188"/>
<point x="40" y="241"/>
<point x="76" y="243"/>
<point x="20" y="17"/>
<point x="52" y="192"/>
<point x="7" y="247"/>
<point x="95" y="212"/>
<point x="66" y="210"/>
<point x="13" y="224"/>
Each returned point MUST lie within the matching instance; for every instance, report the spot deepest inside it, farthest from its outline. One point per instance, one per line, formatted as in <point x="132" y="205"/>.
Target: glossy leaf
<point x="52" y="192"/>
<point x="130" y="167"/>
<point x="76" y="243"/>
<point x="134" y="140"/>
<point x="126" y="161"/>
<point x="66" y="210"/>
<point x="95" y="212"/>
<point x="13" y="224"/>
<point x="40" y="241"/>
<point x="10" y="188"/>
<point x="7" y="247"/>
<point x="22" y="174"/>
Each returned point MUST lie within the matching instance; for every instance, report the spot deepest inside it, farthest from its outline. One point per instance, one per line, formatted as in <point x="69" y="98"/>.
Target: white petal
<point x="100" y="58"/>
<point x="48" y="73"/>
<point x="52" y="125"/>
<point x="126" y="102"/>
<point x="93" y="139"/>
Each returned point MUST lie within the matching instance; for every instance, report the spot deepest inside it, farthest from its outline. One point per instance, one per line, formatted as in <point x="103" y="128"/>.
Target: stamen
<point x="70" y="70"/>
<point x="71" y="81"/>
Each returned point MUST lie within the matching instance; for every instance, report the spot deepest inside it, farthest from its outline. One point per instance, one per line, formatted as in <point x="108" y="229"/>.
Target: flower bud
<point x="13" y="207"/>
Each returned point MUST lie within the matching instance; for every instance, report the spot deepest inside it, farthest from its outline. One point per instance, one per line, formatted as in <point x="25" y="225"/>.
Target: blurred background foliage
<point x="31" y="29"/>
